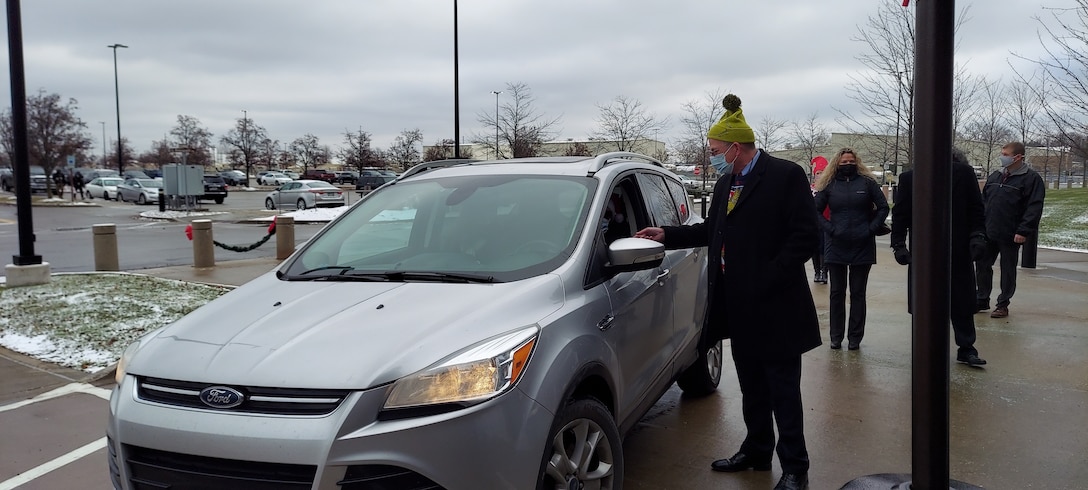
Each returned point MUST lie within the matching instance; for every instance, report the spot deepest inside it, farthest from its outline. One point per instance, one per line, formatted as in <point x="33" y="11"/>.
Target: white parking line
<point x="59" y="392"/>
<point x="42" y="469"/>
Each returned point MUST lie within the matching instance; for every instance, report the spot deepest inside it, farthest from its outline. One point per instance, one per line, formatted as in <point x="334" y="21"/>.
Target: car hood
<point x="337" y="335"/>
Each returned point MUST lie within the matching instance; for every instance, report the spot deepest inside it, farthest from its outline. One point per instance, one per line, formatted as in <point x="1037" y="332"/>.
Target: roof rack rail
<point x="425" y="166"/>
<point x="611" y="157"/>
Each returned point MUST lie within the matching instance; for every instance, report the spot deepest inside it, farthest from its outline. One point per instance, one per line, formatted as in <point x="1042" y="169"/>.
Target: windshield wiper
<point x="341" y="268"/>
<point x="456" y="277"/>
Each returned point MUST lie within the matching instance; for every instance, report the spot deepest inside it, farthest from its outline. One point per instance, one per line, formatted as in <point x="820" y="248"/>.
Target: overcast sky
<point x="383" y="66"/>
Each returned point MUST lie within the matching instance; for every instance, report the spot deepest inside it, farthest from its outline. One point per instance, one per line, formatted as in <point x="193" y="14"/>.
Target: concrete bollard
<point x="203" y="246"/>
<point x="105" y="247"/>
<point x="285" y="237"/>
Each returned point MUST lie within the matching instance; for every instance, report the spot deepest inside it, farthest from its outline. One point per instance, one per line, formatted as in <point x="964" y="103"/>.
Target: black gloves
<point x="978" y="246"/>
<point x="902" y="255"/>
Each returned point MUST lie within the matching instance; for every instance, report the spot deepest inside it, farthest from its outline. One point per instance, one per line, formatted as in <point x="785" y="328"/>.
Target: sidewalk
<point x="1017" y="423"/>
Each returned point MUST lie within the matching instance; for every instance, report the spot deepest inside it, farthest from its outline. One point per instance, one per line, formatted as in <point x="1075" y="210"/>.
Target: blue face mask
<point x="1006" y="160"/>
<point x="719" y="163"/>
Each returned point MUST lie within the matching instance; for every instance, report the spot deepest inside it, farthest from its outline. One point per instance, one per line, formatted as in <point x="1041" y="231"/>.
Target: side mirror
<point x="634" y="254"/>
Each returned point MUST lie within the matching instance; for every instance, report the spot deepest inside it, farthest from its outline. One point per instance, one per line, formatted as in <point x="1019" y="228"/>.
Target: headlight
<point x="130" y="351"/>
<point x="471" y="376"/>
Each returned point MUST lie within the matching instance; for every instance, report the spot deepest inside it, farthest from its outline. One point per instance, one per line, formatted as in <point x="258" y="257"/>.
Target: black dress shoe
<point x="836" y="345"/>
<point x="853" y="346"/>
<point x="741" y="462"/>
<point x="971" y="360"/>
<point x="792" y="481"/>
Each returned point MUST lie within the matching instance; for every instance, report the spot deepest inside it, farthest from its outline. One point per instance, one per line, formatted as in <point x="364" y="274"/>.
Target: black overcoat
<point x="759" y="295"/>
<point x="967" y="219"/>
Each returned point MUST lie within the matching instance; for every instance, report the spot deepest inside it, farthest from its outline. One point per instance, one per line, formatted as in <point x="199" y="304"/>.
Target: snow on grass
<point x="85" y="321"/>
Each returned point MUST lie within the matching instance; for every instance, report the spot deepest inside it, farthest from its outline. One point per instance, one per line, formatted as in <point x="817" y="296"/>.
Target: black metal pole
<point x="933" y="67"/>
<point x="117" y="99"/>
<point x="21" y="165"/>
<point x="456" y="93"/>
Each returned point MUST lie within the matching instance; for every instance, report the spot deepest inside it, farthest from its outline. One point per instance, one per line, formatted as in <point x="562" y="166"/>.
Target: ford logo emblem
<point x="221" y="397"/>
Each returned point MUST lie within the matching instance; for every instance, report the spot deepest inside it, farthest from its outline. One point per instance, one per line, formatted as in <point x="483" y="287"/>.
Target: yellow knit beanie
<point x="732" y="127"/>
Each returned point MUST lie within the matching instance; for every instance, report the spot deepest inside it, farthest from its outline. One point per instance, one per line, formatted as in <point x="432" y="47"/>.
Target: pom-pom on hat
<point x="819" y="163"/>
<point x="732" y="127"/>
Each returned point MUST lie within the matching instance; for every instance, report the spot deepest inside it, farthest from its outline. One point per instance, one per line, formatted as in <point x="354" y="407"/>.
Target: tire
<point x="300" y="205"/>
<point x="268" y="204"/>
<point x="702" y="378"/>
<point x="141" y="200"/>
<point x="219" y="200"/>
<point x="579" y="426"/>
<point x="121" y="197"/>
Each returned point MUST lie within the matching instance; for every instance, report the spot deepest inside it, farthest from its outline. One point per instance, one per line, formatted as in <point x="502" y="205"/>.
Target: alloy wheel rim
<point x="581" y="457"/>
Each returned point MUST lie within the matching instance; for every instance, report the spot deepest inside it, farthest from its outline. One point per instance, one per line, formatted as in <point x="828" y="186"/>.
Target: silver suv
<point x="469" y="325"/>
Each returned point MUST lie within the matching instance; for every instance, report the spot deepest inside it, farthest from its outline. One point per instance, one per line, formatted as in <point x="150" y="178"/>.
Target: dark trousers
<point x="984" y="271"/>
<point x="858" y="280"/>
<point x="963" y="327"/>
<point x="818" y="255"/>
<point x="771" y="392"/>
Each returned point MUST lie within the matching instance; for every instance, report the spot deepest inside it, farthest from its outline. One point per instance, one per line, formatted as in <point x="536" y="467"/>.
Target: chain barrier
<point x="237" y="248"/>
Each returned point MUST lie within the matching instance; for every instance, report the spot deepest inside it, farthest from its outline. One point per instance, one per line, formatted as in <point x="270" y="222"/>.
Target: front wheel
<point x="702" y="378"/>
<point x="300" y="205"/>
<point x="219" y="200"/>
<point x="141" y="200"/>
<point x="268" y="204"/>
<point x="584" y="449"/>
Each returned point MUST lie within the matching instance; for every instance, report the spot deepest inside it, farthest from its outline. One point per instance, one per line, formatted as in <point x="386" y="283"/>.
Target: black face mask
<point x="848" y="170"/>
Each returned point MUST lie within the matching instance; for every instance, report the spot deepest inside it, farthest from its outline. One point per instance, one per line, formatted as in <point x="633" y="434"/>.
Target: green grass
<point x="1065" y="219"/>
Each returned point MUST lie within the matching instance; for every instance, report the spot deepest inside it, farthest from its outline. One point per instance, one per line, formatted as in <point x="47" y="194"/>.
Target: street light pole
<point x="898" y="109"/>
<point x="117" y="98"/>
<point x="496" y="92"/>
<point x="104" y="157"/>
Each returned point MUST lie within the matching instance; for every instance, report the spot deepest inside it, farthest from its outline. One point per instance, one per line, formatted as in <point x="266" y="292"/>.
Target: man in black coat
<point x="967" y="241"/>
<point x="760" y="231"/>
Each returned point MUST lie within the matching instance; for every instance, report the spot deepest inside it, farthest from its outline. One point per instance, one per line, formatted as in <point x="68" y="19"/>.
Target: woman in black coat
<point x="857" y="209"/>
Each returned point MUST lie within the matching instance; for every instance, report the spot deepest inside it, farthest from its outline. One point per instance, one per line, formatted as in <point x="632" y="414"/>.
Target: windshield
<point x="504" y="228"/>
<point x="150" y="182"/>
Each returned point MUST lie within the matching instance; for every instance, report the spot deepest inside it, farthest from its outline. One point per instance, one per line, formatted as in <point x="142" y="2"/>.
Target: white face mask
<point x="1006" y="160"/>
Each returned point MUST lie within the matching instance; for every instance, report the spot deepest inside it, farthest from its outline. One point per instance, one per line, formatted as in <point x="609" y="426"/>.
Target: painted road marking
<point x="59" y="392"/>
<point x="44" y="468"/>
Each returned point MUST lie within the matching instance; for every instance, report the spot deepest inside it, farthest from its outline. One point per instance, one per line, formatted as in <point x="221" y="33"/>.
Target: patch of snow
<point x="177" y="214"/>
<point x="312" y="214"/>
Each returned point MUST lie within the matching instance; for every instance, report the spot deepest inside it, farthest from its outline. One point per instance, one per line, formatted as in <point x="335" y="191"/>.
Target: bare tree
<point x="53" y="132"/>
<point x="404" y="152"/>
<point x="194" y="139"/>
<point x="578" y="149"/>
<point x="128" y="154"/>
<point x="159" y="154"/>
<point x="1065" y="69"/>
<point x="357" y="152"/>
<point x="243" y="143"/>
<point x="309" y="151"/>
<point x="443" y="150"/>
<point x="625" y="121"/>
<point x="1024" y="107"/>
<point x="522" y="130"/>
<point x="699" y="116"/>
<point x="966" y="99"/>
<point x="885" y="87"/>
<point x="809" y="135"/>
<point x="768" y="132"/>
<point x="987" y="124"/>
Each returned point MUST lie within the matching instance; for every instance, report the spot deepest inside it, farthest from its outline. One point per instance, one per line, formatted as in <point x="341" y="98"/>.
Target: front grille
<point x="115" y="468"/>
<point x="153" y="469"/>
<point x="384" y="477"/>
<point x="272" y="401"/>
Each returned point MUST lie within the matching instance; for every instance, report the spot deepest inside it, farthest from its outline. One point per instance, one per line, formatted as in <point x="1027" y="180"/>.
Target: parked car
<point x="319" y="174"/>
<point x="478" y="327"/>
<point x="102" y="172"/>
<point x="370" y="181"/>
<point x="274" y="178"/>
<point x="140" y="191"/>
<point x="154" y="173"/>
<point x="215" y="189"/>
<point x="303" y="194"/>
<point x="104" y="187"/>
<point x="234" y="177"/>
<point x="346" y="176"/>
<point x="38" y="180"/>
<point x="135" y="174"/>
<point x="293" y="175"/>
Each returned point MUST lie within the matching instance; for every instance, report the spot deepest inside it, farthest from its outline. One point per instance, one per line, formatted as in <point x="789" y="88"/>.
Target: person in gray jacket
<point x="1013" y="197"/>
<point x="857" y="212"/>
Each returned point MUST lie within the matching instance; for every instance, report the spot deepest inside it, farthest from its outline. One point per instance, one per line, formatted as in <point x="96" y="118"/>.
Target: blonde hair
<point x="833" y="168"/>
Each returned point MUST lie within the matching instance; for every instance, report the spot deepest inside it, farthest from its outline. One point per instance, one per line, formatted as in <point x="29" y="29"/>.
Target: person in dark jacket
<point x="760" y="231"/>
<point x="967" y="241"/>
<point x="858" y="209"/>
<point x="1013" y="197"/>
<point x="819" y="163"/>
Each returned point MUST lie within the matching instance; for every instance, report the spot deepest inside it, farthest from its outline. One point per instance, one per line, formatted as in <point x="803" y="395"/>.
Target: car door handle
<point x="606" y="322"/>
<point x="661" y="277"/>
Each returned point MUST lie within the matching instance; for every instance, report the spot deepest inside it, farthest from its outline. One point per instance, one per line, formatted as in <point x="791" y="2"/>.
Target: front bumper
<point x="497" y="444"/>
